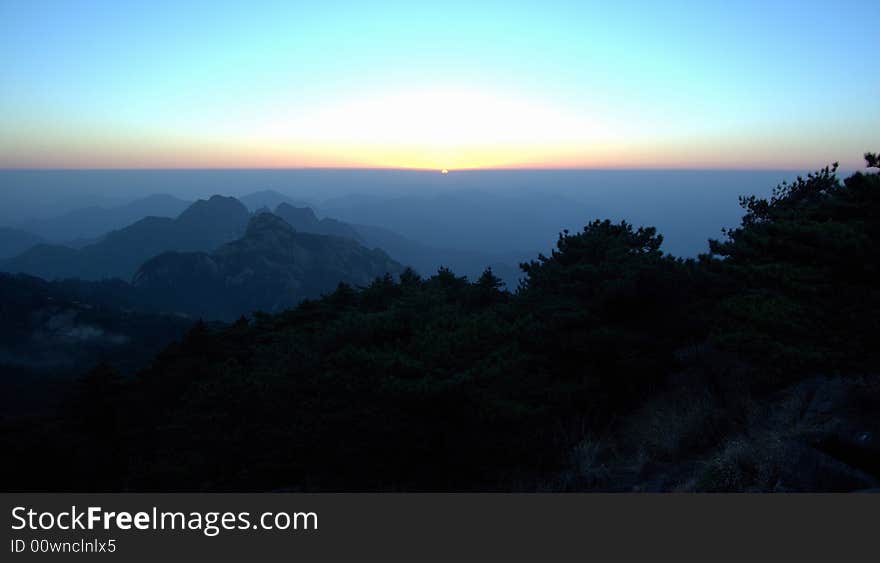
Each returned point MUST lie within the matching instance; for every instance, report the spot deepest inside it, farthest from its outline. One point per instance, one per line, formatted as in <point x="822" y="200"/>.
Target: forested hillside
<point x="612" y="367"/>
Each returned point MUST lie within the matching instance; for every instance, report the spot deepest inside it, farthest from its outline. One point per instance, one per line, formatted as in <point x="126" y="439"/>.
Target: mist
<point x="509" y="213"/>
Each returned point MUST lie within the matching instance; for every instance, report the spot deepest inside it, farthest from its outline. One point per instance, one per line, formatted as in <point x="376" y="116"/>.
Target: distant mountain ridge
<point x="203" y="226"/>
<point x="16" y="241"/>
<point x="95" y="221"/>
<point x="269" y="199"/>
<point x="422" y="257"/>
<point x="270" y="268"/>
<point x="304" y="219"/>
<point x="207" y="224"/>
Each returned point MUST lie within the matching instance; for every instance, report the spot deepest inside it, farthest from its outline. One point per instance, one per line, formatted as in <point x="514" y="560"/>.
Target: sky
<point x="433" y="85"/>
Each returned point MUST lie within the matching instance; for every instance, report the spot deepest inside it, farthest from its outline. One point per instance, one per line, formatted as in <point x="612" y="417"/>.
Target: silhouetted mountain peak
<point x="304" y="219"/>
<point x="266" y="235"/>
<point x="269" y="268"/>
<point x="203" y="226"/>
<point x="262" y="224"/>
<point x="217" y="207"/>
<point x="268" y="198"/>
<point x="297" y="216"/>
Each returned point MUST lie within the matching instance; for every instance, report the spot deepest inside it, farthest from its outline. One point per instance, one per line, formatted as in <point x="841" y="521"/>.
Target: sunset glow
<point x="500" y="86"/>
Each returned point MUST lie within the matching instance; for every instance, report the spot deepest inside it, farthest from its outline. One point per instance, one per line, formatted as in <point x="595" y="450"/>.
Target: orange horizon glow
<point x="427" y="86"/>
<point x="195" y="155"/>
<point x="453" y="129"/>
<point x="371" y="158"/>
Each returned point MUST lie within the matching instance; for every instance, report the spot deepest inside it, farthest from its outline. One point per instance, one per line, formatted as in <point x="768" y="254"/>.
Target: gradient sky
<point x="447" y="84"/>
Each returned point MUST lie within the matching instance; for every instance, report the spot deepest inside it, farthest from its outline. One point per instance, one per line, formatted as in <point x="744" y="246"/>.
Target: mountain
<point x="270" y="199"/>
<point x="423" y="258"/>
<point x="209" y="223"/>
<point x="16" y="241"/>
<point x="616" y="367"/>
<point x="92" y="222"/>
<point x="304" y="219"/>
<point x="49" y="261"/>
<point x="272" y="267"/>
<point x="203" y="226"/>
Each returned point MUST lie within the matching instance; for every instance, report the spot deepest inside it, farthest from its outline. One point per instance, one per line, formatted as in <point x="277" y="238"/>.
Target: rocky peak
<point x="262" y="224"/>
<point x="299" y="217"/>
<point x="217" y="208"/>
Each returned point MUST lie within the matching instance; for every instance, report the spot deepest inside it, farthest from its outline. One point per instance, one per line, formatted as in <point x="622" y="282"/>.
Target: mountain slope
<point x="16" y="241"/>
<point x="92" y="222"/>
<point x="615" y="368"/>
<point x="203" y="226"/>
<point x="423" y="258"/>
<point x="304" y="219"/>
<point x="272" y="267"/>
